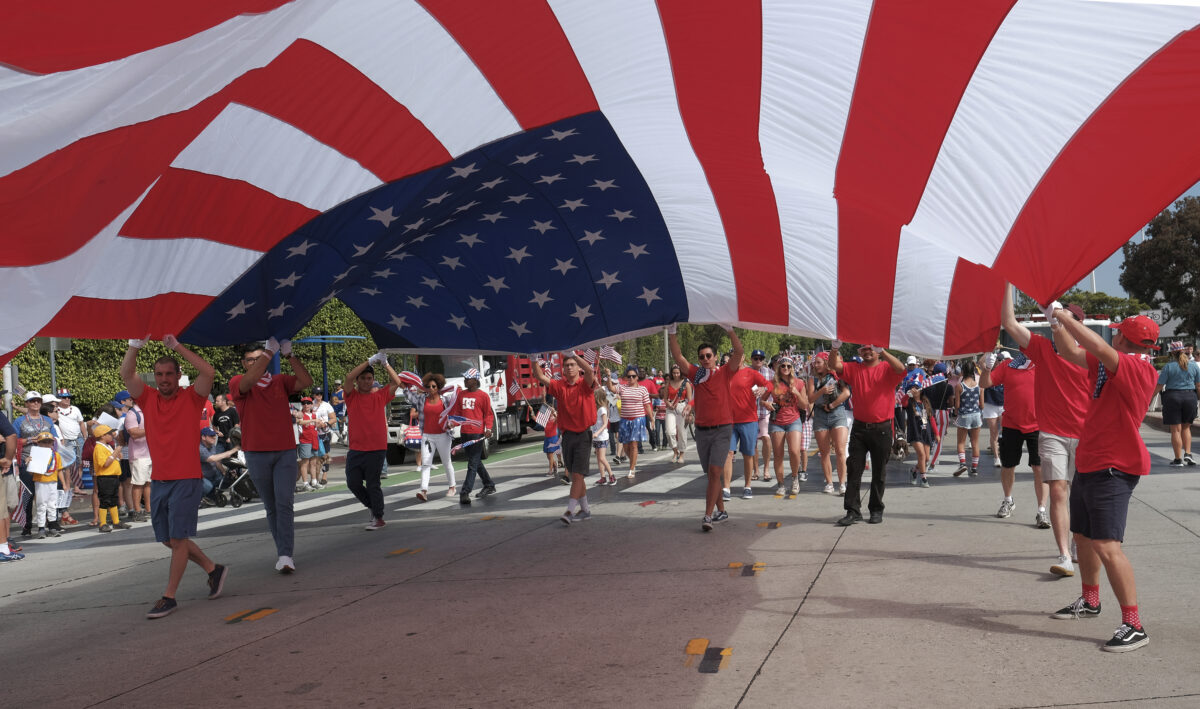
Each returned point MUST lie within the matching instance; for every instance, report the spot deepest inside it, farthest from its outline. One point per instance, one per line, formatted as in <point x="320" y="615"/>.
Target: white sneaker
<point x="803" y="476"/>
<point x="1064" y="567"/>
<point x="829" y="489"/>
<point x="842" y="489"/>
<point x="285" y="565"/>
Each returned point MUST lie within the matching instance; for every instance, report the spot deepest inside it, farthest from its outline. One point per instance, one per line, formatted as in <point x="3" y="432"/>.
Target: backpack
<point x="125" y="434"/>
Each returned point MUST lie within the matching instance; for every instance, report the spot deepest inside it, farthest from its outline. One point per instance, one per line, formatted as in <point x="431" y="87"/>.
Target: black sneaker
<point x="165" y="606"/>
<point x="489" y="490"/>
<point x="706" y="524"/>
<point x="465" y="499"/>
<point x="1078" y="609"/>
<point x="720" y="516"/>
<point x="1177" y="463"/>
<point x="876" y="518"/>
<point x="849" y="519"/>
<point x="1188" y="460"/>
<point x="1126" y="638"/>
<point x="216" y="581"/>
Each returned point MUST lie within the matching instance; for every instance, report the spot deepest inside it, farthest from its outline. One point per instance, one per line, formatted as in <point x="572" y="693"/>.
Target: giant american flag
<point x="533" y="175"/>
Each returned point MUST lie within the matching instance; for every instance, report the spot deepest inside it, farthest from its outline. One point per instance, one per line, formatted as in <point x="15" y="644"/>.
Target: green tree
<point x="1103" y="303"/>
<point x="1162" y="269"/>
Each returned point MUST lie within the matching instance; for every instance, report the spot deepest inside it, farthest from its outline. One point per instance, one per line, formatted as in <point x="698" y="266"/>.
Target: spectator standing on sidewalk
<point x="171" y="413"/>
<point x="366" y="405"/>
<point x="8" y="487"/>
<point x="1110" y="461"/>
<point x="269" y="445"/>
<point x="140" y="463"/>
<point x="1179" y="383"/>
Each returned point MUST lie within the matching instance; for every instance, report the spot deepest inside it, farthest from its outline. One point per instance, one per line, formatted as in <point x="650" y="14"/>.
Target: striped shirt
<point x="634" y="401"/>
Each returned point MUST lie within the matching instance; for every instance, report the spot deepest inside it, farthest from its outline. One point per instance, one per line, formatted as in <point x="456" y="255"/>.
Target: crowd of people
<point x="1072" y="406"/>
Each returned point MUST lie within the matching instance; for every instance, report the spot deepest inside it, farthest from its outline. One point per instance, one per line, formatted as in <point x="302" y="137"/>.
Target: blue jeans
<point x="475" y="465"/>
<point x="274" y="476"/>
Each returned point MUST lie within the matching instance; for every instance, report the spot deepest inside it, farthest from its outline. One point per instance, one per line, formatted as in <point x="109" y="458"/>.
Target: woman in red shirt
<point x="788" y="404"/>
<point x="429" y="404"/>
<point x="307" y="447"/>
<point x="678" y="402"/>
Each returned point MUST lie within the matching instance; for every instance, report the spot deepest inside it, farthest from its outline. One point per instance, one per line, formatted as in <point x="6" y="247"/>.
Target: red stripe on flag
<point x="916" y="62"/>
<point x="719" y="93"/>
<point x="523" y="52"/>
<point x="59" y="35"/>
<point x="100" y="318"/>
<point x="1126" y="163"/>
<point x="322" y="95"/>
<point x="185" y="204"/>
<point x="973" y="313"/>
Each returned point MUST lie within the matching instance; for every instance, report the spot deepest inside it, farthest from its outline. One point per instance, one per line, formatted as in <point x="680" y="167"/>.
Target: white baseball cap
<point x="32" y="395"/>
<point x="912" y="359"/>
<point x="50" y="399"/>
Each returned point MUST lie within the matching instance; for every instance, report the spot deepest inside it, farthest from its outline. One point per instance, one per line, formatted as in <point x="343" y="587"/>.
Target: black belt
<point x="577" y="433"/>
<point x="709" y="428"/>
<point x="876" y="424"/>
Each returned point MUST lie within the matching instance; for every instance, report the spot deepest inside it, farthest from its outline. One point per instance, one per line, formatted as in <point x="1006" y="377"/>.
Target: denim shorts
<point x="797" y="426"/>
<point x="974" y="420"/>
<point x="174" y="505"/>
<point x="305" y="451"/>
<point x="744" y="437"/>
<point x="827" y="420"/>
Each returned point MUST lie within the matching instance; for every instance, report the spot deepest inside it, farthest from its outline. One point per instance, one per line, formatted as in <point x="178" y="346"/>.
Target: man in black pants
<point x="872" y="386"/>
<point x="366" y="409"/>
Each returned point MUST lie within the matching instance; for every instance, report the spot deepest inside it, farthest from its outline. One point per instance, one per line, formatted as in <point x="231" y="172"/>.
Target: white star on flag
<point x="492" y="217"/>
<point x="563" y="266"/>
<point x="433" y="283"/>
<point x="239" y="309"/>
<point x="472" y="239"/>
<point x="540" y="298"/>
<point x="609" y="279"/>
<point x="437" y="200"/>
<point x="417" y="301"/>
<point x="550" y="179"/>
<point x="636" y="250"/>
<point x="572" y="204"/>
<point x="398" y="322"/>
<point x="518" y="254"/>
<point x="542" y="227"/>
<point x="287" y="282"/>
<point x="519" y="329"/>
<point x="518" y="198"/>
<point x="383" y="216"/>
<point x="458" y="322"/>
<point x="478" y="303"/>
<point x="525" y="159"/>
<point x="465" y="207"/>
<point x="385" y="273"/>
<point x="622" y="215"/>
<point x="560" y="134"/>
<point x="361" y="250"/>
<point x="414" y="226"/>
<point x="649" y="295"/>
<point x="603" y="185"/>
<point x="302" y="249"/>
<point x="465" y="171"/>
<point x="494" y="283"/>
<point x="582" y="313"/>
<point x="489" y="184"/>
<point x="370" y="291"/>
<point x="451" y="263"/>
<point x="582" y="159"/>
<point x="277" y="312"/>
<point x="343" y="274"/>
<point x="592" y="236"/>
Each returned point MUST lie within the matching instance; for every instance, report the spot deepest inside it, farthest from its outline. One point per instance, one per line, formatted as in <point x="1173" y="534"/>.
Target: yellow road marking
<point x="263" y="613"/>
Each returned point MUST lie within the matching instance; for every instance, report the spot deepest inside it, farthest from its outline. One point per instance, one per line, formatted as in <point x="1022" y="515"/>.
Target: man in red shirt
<point x="1061" y="397"/>
<point x="476" y="407"/>
<point x="743" y="408"/>
<point x="366" y="409"/>
<point x="176" y="483"/>
<point x="1110" y="460"/>
<point x="1019" y="429"/>
<point x="268" y="440"/>
<point x="714" y="422"/>
<point x="872" y="392"/>
<point x="576" y="406"/>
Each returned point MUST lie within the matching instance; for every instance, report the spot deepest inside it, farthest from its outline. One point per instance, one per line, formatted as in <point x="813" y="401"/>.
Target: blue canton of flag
<point x="537" y="242"/>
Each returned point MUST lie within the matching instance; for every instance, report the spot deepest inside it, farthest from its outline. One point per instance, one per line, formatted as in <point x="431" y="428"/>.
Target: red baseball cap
<point x="1139" y="329"/>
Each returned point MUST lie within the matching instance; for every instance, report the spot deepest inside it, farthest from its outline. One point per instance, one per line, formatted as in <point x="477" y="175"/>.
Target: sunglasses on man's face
<point x="707" y="355"/>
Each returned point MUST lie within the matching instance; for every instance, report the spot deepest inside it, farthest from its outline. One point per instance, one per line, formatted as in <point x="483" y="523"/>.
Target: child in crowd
<point x="106" y="476"/>
<point x="551" y="445"/>
<point x="45" y="487"/>
<point x="600" y="439"/>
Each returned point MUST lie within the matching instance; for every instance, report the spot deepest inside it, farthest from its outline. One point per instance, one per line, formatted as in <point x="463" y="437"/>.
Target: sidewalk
<point x="943" y="605"/>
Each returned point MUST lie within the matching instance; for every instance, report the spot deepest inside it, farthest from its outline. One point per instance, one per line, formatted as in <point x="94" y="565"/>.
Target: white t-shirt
<point x="70" y="422"/>
<point x="600" y="432"/>
<point x="324" y="411"/>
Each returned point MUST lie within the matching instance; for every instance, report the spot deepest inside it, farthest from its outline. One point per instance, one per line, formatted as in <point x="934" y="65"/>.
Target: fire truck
<point x="514" y="412"/>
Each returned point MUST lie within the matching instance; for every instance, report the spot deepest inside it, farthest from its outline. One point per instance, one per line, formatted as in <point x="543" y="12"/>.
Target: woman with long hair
<point x="429" y="403"/>
<point x="789" y="408"/>
<point x="831" y="419"/>
<point x="970" y="418"/>
<point x="679" y="401"/>
<point x="1179" y="383"/>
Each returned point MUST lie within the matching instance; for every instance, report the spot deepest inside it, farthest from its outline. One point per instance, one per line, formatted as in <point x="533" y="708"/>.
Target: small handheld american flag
<point x="18" y="515"/>
<point x="543" y="415"/>
<point x="610" y="353"/>
<point x="514" y="387"/>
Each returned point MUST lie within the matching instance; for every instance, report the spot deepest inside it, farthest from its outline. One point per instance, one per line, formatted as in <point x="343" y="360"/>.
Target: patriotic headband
<point x="471" y="373"/>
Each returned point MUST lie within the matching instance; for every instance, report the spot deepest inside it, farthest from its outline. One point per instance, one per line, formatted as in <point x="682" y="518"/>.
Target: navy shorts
<point x="918" y="430"/>
<point x="174" y="505"/>
<point x="1100" y="503"/>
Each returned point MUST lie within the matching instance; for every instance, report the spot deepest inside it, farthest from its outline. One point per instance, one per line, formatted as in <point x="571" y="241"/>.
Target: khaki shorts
<point x="1058" y="456"/>
<point x="8" y="493"/>
<point x="140" y="471"/>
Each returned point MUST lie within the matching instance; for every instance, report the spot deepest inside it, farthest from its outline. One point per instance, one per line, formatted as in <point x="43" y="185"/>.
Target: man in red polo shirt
<point x="1061" y="396"/>
<point x="576" y="406"/>
<point x="366" y="411"/>
<point x="1020" y="428"/>
<point x="714" y="421"/>
<point x="872" y="392"/>
<point x="1110" y="460"/>
<point x="269" y="440"/>
<point x="176" y="484"/>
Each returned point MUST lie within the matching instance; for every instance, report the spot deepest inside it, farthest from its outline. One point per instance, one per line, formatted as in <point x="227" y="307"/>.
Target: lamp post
<point x="325" y="340"/>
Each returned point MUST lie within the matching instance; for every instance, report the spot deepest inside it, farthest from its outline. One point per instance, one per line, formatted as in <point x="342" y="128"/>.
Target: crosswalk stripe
<point x="663" y="483"/>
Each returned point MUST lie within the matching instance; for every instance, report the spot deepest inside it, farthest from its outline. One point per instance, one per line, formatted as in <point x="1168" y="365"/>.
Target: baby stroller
<point x="235" y="486"/>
